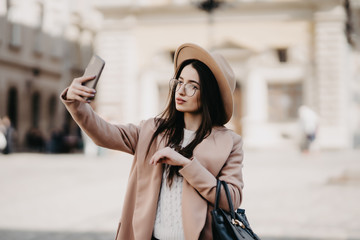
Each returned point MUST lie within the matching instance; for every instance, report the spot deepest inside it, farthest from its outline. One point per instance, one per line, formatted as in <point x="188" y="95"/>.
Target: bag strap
<point x="228" y="196"/>
<point x="217" y="196"/>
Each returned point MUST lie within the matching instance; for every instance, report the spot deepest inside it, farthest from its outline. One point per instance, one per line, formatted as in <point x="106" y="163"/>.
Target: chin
<point x="184" y="109"/>
<point x="180" y="109"/>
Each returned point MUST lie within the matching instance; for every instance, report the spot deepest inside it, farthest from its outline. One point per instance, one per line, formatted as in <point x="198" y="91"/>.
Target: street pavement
<point x="287" y="195"/>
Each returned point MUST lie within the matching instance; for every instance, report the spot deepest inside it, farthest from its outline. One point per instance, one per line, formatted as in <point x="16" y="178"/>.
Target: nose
<point x="181" y="90"/>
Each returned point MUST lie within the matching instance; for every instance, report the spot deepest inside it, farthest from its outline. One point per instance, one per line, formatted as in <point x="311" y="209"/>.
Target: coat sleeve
<point x="103" y="133"/>
<point x="205" y="182"/>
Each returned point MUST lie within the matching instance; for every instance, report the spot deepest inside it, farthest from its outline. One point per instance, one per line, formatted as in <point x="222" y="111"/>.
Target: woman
<point x="178" y="156"/>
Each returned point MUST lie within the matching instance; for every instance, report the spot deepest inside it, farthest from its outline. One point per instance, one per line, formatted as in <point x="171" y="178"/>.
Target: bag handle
<point x="242" y="223"/>
<point x="228" y="196"/>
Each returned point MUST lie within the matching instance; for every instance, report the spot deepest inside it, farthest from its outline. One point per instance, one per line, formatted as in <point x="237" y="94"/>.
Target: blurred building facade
<point x="43" y="45"/>
<point x="285" y="53"/>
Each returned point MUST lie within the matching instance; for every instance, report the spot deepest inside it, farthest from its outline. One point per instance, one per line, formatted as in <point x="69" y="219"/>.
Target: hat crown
<point x="226" y="69"/>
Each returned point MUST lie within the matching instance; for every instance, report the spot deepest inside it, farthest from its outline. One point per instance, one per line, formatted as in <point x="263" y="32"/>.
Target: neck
<point x="192" y="121"/>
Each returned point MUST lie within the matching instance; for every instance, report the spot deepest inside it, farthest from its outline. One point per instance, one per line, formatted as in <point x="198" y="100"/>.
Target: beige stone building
<point x="43" y="45"/>
<point x="285" y="53"/>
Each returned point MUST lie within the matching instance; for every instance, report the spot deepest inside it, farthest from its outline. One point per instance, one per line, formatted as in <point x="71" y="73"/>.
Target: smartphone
<point x="94" y="68"/>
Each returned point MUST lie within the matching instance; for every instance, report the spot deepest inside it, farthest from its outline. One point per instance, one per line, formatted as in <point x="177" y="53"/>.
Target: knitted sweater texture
<point x="168" y="222"/>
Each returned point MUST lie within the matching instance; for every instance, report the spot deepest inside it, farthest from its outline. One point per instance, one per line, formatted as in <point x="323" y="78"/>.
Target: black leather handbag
<point x="231" y="225"/>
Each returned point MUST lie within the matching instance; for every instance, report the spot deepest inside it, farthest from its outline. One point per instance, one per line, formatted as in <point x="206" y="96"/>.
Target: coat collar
<point x="214" y="150"/>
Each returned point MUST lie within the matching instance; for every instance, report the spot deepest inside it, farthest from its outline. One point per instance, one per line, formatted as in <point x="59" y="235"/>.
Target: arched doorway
<point x="12" y="106"/>
<point x="52" y="111"/>
<point x="35" y="109"/>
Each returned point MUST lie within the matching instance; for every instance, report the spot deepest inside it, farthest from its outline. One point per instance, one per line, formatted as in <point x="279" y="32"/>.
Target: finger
<point x="155" y="159"/>
<point x="83" y="94"/>
<point x="161" y="160"/>
<point x="151" y="162"/>
<point x="85" y="78"/>
<point x="86" y="89"/>
<point x="80" y="99"/>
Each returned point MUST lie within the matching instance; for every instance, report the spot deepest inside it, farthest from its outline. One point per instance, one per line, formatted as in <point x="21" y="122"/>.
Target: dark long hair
<point x="171" y="121"/>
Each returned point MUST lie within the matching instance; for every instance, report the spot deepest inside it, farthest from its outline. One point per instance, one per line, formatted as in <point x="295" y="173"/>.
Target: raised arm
<point x="103" y="133"/>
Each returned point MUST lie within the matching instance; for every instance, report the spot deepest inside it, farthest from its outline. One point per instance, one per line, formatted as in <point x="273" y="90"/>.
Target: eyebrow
<point x="193" y="81"/>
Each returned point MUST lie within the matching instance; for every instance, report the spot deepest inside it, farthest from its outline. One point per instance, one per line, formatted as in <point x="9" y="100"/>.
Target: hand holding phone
<point x="82" y="89"/>
<point x="94" y="68"/>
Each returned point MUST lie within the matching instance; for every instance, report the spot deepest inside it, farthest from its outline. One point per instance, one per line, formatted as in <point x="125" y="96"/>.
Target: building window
<point x="284" y="101"/>
<point x="2" y="31"/>
<point x="38" y="44"/>
<point x="35" y="107"/>
<point x="3" y="17"/>
<point x="15" y="35"/>
<point x="39" y="16"/>
<point x="58" y="48"/>
<point x="57" y="32"/>
<point x="7" y="4"/>
<point x="282" y="54"/>
<point x="13" y="16"/>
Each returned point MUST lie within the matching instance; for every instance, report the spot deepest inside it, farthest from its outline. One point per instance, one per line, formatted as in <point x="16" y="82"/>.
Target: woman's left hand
<point x="169" y="156"/>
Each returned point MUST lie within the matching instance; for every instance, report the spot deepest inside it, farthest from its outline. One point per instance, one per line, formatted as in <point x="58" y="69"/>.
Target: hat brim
<point x="192" y="51"/>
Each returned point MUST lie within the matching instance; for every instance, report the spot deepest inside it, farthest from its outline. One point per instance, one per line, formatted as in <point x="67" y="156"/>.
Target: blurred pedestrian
<point x="309" y="122"/>
<point x="56" y="143"/>
<point x="9" y="135"/>
<point x="177" y="156"/>
<point x="35" y="140"/>
<point x="3" y="141"/>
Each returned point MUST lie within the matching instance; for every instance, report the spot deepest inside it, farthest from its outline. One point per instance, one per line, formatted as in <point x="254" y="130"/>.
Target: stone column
<point x="149" y="100"/>
<point x="332" y="75"/>
<point x="254" y="123"/>
<point x="118" y="93"/>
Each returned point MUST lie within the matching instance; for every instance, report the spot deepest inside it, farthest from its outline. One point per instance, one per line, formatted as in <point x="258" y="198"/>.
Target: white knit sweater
<point x="168" y="222"/>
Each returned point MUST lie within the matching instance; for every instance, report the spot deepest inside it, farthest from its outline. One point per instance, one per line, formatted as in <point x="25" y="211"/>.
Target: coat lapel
<point x="149" y="179"/>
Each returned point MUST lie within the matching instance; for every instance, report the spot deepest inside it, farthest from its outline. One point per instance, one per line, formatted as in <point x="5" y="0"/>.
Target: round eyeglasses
<point x="189" y="87"/>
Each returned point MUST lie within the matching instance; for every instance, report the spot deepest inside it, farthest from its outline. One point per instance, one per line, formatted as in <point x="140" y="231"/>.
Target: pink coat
<point x="219" y="155"/>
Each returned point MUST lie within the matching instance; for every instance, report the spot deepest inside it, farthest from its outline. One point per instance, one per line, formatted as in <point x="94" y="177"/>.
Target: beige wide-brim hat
<point x="218" y="65"/>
